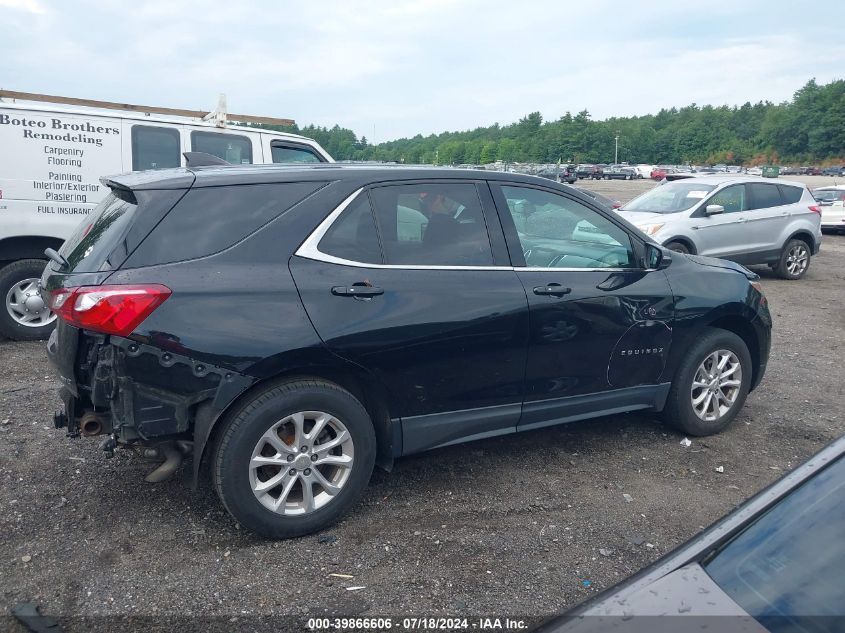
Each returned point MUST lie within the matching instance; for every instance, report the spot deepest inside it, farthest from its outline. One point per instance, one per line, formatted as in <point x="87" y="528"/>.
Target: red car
<point x="659" y="173"/>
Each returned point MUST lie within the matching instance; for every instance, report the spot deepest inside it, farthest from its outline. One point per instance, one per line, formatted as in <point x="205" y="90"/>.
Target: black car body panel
<point x="442" y="354"/>
<point x="679" y="585"/>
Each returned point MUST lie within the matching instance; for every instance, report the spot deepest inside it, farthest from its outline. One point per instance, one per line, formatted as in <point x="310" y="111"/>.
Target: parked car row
<point x="834" y="170"/>
<point x="603" y="171"/>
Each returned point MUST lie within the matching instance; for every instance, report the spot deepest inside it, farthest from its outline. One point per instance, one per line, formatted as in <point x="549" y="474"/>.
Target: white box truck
<point x="53" y="151"/>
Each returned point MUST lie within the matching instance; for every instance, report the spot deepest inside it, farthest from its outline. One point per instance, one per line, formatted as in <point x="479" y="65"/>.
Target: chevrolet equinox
<point x="289" y="328"/>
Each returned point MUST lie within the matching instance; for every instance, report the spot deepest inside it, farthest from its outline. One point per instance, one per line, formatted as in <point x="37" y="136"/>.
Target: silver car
<point x="745" y="219"/>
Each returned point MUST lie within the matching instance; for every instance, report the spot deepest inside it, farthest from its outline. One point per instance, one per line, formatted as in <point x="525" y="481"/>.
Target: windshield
<point x="828" y="195"/>
<point x="670" y="198"/>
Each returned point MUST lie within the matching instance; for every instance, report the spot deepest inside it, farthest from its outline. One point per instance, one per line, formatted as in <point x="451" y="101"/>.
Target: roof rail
<point x="220" y="116"/>
<point x="202" y="159"/>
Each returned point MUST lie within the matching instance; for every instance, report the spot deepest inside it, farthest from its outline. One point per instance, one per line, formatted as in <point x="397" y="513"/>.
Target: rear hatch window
<point x="93" y="241"/>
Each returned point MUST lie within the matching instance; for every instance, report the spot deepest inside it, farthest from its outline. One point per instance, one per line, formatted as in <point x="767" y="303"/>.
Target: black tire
<point x="245" y="426"/>
<point x="679" y="411"/>
<point x="678" y="247"/>
<point x="785" y="268"/>
<point x="10" y="276"/>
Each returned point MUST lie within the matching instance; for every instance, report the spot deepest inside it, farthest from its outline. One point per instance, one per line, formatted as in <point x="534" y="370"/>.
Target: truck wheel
<point x="293" y="459"/>
<point x="25" y="316"/>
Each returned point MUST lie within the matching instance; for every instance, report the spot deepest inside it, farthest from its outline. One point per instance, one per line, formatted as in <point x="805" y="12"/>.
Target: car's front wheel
<point x="293" y="459"/>
<point x="794" y="260"/>
<point x="710" y="384"/>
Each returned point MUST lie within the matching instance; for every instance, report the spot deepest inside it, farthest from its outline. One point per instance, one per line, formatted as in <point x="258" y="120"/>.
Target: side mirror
<point x="713" y="209"/>
<point x="657" y="258"/>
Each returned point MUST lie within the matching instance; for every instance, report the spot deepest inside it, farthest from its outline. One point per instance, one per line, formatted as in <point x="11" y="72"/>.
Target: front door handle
<point x="554" y="290"/>
<point x="357" y="290"/>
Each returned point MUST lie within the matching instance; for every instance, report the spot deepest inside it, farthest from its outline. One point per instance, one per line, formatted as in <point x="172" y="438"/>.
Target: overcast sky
<point x="397" y="68"/>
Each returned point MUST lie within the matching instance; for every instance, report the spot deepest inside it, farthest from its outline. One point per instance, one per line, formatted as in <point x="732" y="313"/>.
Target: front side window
<point x="764" y="196"/>
<point x="154" y="147"/>
<point x="433" y="224"/>
<point x="732" y="198"/>
<point x="289" y="153"/>
<point x="232" y="148"/>
<point x="786" y="568"/>
<point x="557" y="232"/>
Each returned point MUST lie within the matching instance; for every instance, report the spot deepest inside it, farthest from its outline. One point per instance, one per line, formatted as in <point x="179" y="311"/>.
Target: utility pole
<point x="616" y="152"/>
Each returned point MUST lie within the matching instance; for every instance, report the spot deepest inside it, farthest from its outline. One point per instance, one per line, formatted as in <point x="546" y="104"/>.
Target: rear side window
<point x="353" y="236"/>
<point x="293" y="153"/>
<point x="230" y="147"/>
<point x="790" y="195"/>
<point x="154" y="147"/>
<point x="87" y="250"/>
<point x="433" y="224"/>
<point x="210" y="219"/>
<point x="764" y="196"/>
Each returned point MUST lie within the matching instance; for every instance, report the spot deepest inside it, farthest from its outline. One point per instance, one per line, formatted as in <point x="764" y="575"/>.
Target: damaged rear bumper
<point x="139" y="394"/>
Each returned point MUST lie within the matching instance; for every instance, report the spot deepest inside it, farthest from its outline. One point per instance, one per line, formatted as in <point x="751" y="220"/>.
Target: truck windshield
<point x="671" y="197"/>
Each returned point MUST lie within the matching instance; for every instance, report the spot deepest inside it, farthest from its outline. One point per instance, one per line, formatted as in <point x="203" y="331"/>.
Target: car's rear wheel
<point x="794" y="260"/>
<point x="293" y="459"/>
<point x="25" y="315"/>
<point x="678" y="247"/>
<point x="711" y="384"/>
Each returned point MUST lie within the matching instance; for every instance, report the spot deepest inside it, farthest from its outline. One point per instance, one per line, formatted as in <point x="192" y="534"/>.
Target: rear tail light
<point x="108" y="309"/>
<point x="815" y="209"/>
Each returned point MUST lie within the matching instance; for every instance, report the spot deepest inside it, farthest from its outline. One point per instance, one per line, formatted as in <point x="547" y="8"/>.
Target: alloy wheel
<point x="797" y="259"/>
<point x="301" y="463"/>
<point x="716" y="385"/>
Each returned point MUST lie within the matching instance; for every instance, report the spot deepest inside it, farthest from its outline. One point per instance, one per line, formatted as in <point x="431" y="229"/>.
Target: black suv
<point x="292" y="327"/>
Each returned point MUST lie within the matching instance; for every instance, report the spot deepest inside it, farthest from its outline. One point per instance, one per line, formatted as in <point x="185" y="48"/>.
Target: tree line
<point x="808" y="129"/>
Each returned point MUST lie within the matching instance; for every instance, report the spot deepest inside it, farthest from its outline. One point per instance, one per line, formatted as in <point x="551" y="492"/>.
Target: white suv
<point x="744" y="219"/>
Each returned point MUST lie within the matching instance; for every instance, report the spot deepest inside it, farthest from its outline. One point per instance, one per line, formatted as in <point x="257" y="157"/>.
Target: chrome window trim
<point x="309" y="250"/>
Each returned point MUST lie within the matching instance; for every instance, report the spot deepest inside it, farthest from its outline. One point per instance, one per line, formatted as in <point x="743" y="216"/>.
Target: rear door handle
<point x="357" y="291"/>
<point x="554" y="290"/>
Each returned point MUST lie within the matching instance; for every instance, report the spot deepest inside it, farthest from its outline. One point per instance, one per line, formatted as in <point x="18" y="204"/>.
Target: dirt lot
<point x="524" y="525"/>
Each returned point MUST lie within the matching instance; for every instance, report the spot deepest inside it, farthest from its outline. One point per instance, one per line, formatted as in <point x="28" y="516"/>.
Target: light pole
<point x="616" y="151"/>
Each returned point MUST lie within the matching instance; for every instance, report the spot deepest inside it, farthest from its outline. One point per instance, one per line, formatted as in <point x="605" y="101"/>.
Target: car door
<point x="768" y="214"/>
<point x="600" y="324"/>
<point x="724" y="233"/>
<point x="403" y="280"/>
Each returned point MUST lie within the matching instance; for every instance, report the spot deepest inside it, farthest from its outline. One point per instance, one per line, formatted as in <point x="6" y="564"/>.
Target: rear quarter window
<point x="210" y="219"/>
<point x="88" y="249"/>
<point x="790" y="194"/>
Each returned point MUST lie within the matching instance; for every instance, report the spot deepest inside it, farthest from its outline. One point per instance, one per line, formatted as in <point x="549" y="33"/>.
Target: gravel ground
<point x="524" y="525"/>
